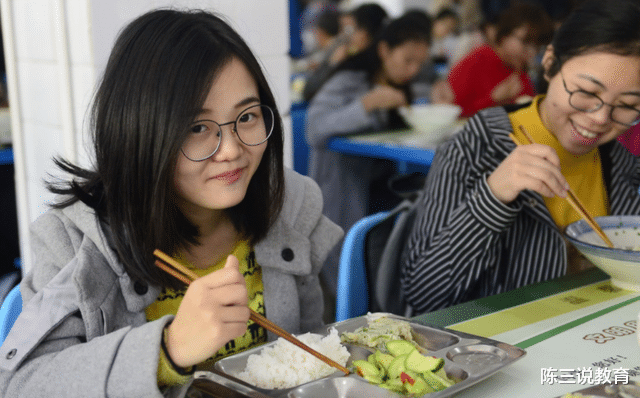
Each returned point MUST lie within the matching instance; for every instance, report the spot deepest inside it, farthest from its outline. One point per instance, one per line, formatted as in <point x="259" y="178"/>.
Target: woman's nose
<point x="230" y="145"/>
<point x="602" y="115"/>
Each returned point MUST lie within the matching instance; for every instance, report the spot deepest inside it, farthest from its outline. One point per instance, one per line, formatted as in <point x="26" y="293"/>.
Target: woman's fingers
<point x="537" y="185"/>
<point x="233" y="314"/>
<point x="227" y="295"/>
<point x="213" y="311"/>
<point x="535" y="167"/>
<point x="546" y="158"/>
<point x="543" y="172"/>
<point x="228" y="275"/>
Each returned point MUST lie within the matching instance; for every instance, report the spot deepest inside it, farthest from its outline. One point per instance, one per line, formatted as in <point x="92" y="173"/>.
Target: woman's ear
<point x="548" y="59"/>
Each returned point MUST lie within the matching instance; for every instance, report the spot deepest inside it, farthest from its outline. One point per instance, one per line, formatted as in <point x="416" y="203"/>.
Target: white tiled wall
<point x="40" y="64"/>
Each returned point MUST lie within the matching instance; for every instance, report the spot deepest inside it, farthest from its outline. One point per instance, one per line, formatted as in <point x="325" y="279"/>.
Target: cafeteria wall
<point x="55" y="52"/>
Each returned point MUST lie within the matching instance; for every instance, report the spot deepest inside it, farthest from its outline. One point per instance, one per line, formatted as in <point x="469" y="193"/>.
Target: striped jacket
<point x="466" y="244"/>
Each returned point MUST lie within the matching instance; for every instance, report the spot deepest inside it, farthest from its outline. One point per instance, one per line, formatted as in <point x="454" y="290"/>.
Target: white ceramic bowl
<point x="435" y="119"/>
<point x="621" y="263"/>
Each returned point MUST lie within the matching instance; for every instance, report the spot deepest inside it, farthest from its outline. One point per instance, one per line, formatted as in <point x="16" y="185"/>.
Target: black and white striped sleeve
<point x="457" y="233"/>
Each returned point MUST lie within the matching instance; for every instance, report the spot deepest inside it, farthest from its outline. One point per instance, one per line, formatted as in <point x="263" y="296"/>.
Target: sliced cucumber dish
<point x="401" y="368"/>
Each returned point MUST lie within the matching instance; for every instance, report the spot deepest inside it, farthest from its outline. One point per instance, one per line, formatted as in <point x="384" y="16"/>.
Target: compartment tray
<point x="468" y="358"/>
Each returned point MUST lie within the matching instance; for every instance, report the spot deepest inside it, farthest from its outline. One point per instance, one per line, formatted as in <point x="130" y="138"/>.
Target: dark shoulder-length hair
<point x="155" y="83"/>
<point x="610" y="26"/>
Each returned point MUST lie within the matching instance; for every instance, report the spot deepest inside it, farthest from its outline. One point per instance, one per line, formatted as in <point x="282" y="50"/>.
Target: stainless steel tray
<point x="468" y="358"/>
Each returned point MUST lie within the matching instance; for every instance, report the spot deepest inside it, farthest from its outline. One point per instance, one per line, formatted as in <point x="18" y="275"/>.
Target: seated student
<point x="468" y="11"/>
<point x="326" y="33"/>
<point x="497" y="74"/>
<point x="364" y="23"/>
<point x="444" y="34"/>
<point x="428" y="85"/>
<point x="311" y="12"/>
<point x="492" y="214"/>
<point x="360" y="27"/>
<point x="362" y="95"/>
<point x="188" y="145"/>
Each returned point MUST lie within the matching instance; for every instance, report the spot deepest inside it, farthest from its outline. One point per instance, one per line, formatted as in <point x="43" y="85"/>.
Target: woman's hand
<point x="535" y="167"/>
<point x="213" y="311"/>
<point x="507" y="89"/>
<point x="383" y="97"/>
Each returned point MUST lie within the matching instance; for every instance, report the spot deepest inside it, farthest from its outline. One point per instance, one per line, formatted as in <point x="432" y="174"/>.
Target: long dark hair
<point x="610" y="26"/>
<point x="408" y="27"/>
<point x="155" y="83"/>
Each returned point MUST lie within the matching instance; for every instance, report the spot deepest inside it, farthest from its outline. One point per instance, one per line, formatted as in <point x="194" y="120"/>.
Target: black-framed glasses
<point x="585" y="101"/>
<point x="253" y="126"/>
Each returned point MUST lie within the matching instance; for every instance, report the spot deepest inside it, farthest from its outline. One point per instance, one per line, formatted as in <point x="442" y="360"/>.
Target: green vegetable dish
<point x="399" y="364"/>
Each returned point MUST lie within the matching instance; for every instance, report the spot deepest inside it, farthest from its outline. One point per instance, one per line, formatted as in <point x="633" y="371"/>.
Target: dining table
<point x="411" y="150"/>
<point x="390" y="145"/>
<point x="579" y="332"/>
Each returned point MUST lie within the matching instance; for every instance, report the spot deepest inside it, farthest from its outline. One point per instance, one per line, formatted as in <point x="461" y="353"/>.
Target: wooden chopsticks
<point x="572" y="198"/>
<point x="185" y="275"/>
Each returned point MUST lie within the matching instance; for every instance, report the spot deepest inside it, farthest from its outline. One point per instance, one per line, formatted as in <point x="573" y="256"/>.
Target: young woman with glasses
<point x="189" y="148"/>
<point x="492" y="213"/>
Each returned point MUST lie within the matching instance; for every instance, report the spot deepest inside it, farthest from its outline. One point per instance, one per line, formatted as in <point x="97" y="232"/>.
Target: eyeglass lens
<point x="254" y="126"/>
<point x="589" y="102"/>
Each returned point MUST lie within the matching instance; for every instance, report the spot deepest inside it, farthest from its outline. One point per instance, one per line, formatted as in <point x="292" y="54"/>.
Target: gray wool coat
<point x="83" y="330"/>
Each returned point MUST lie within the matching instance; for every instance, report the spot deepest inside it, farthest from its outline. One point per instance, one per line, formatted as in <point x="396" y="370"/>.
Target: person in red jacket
<point x="497" y="73"/>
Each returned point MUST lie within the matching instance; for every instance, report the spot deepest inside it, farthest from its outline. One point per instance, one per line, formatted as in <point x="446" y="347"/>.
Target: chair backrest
<point x="300" y="146"/>
<point x="352" y="297"/>
<point x="9" y="311"/>
<point x="385" y="248"/>
<point x="369" y="269"/>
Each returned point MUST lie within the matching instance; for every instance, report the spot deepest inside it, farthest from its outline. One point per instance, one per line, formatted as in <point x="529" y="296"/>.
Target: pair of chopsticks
<point x="185" y="275"/>
<point x="572" y="198"/>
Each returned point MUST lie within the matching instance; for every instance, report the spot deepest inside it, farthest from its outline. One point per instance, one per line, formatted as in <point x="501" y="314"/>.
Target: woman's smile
<point x="583" y="135"/>
<point x="230" y="177"/>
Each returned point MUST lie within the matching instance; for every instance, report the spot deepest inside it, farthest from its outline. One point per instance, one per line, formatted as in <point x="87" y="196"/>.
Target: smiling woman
<point x="235" y="147"/>
<point x="189" y="147"/>
<point x="494" y="214"/>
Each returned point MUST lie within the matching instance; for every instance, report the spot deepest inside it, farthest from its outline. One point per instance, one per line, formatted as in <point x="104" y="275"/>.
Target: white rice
<point x="284" y="365"/>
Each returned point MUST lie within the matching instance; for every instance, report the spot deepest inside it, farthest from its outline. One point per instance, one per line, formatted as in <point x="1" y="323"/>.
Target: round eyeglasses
<point x="253" y="126"/>
<point x="585" y="101"/>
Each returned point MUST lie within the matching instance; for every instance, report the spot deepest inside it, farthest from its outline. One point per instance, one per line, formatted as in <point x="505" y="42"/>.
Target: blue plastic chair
<point x="353" y="293"/>
<point x="9" y="311"/>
